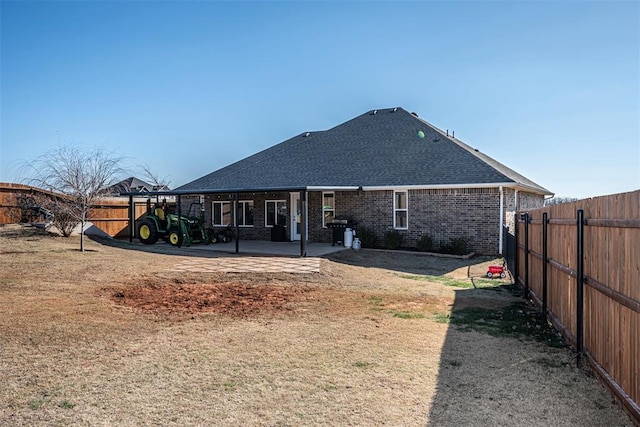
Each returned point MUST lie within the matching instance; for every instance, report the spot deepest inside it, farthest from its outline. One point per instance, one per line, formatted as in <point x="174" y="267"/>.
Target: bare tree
<point x="558" y="200"/>
<point x="154" y="178"/>
<point x="82" y="176"/>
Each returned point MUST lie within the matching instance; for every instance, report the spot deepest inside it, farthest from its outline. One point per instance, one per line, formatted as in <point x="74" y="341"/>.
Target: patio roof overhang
<point x="212" y="191"/>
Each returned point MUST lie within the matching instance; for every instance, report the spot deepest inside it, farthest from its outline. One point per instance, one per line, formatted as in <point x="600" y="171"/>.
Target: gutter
<point x="334" y="188"/>
<point x="513" y="185"/>
<point x="437" y="186"/>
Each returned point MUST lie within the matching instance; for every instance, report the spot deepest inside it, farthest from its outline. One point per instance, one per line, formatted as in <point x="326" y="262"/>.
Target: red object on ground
<point x="496" y="270"/>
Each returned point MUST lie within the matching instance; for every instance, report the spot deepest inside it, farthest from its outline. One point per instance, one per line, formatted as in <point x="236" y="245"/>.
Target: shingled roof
<point x="134" y="185"/>
<point x="378" y="149"/>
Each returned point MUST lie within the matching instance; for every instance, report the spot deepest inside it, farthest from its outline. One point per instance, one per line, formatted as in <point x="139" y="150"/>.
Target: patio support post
<point x="132" y="218"/>
<point x="304" y="220"/>
<point x="179" y="220"/>
<point x="235" y="219"/>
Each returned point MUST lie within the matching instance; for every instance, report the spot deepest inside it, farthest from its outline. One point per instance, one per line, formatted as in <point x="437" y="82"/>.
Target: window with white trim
<point x="221" y="213"/>
<point x="328" y="207"/>
<point x="245" y="213"/>
<point x="400" y="210"/>
<point x="275" y="213"/>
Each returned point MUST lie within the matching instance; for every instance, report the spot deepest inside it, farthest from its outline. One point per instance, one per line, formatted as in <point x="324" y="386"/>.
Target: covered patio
<point x="301" y="247"/>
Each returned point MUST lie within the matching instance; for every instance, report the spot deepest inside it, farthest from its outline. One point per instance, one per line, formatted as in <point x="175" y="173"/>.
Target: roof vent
<point x="415" y="114"/>
<point x="394" y="110"/>
<point x="374" y="112"/>
<point x="306" y="134"/>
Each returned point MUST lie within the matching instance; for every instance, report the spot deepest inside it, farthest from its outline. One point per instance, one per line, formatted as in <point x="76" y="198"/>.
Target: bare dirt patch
<point x="230" y="298"/>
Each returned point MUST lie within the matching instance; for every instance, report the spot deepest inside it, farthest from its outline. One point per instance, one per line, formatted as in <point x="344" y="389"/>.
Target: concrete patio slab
<point x="250" y="264"/>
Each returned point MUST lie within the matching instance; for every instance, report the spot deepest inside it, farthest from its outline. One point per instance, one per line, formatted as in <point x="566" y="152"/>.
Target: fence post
<point x="526" y="255"/>
<point x="516" y="269"/>
<point x="545" y="259"/>
<point x="580" y="287"/>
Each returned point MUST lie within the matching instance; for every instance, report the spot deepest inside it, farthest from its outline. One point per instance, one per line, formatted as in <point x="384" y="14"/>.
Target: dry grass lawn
<point x="111" y="337"/>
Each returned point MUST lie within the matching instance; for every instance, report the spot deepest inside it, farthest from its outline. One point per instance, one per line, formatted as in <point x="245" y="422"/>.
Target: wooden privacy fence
<point x="580" y="262"/>
<point x="18" y="203"/>
<point x="112" y="216"/>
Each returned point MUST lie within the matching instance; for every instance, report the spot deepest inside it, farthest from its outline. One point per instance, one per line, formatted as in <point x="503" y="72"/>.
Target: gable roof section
<point x="380" y="148"/>
<point x="133" y="184"/>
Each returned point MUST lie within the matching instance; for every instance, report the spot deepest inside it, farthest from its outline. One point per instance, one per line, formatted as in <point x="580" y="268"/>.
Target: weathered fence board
<point x="610" y="321"/>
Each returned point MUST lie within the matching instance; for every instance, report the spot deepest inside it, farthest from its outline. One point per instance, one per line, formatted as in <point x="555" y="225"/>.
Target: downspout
<point x="501" y="232"/>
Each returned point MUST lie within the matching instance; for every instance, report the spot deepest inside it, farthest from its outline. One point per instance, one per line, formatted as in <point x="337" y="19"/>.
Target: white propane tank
<point x="356" y="244"/>
<point x="348" y="238"/>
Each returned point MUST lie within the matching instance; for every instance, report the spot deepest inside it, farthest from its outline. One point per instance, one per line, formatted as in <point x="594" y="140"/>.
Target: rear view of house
<point x="384" y="170"/>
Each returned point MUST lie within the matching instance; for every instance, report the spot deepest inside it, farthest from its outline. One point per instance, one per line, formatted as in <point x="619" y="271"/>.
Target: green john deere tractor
<point x="157" y="223"/>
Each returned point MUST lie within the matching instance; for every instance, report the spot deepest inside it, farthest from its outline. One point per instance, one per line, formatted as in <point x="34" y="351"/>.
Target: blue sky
<point x="551" y="89"/>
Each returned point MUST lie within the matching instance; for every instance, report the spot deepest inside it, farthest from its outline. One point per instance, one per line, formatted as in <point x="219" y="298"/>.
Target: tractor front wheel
<point x="175" y="238"/>
<point x="148" y="232"/>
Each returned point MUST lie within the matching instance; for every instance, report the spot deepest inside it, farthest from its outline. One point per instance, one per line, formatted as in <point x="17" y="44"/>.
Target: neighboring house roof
<point x="378" y="149"/>
<point x="135" y="185"/>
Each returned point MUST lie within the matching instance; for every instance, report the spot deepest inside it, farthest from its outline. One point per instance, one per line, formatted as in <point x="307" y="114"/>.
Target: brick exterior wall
<point x="525" y="201"/>
<point x="472" y="214"/>
<point x="444" y="214"/>
<point x="258" y="231"/>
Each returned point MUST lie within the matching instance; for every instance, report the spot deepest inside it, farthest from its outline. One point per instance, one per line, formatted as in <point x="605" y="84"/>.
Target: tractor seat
<point x="160" y="214"/>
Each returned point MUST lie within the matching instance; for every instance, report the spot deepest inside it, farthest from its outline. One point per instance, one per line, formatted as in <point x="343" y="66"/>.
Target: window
<point x="245" y="213"/>
<point x="221" y="213"/>
<point x="275" y="213"/>
<point x="400" y="210"/>
<point x="328" y="208"/>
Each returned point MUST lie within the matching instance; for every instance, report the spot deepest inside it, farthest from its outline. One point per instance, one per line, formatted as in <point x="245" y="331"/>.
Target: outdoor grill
<point x="338" y="226"/>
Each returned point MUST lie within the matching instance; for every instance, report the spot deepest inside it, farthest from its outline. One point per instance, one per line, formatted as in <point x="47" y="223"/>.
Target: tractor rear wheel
<point x="175" y="238"/>
<point x="148" y="232"/>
